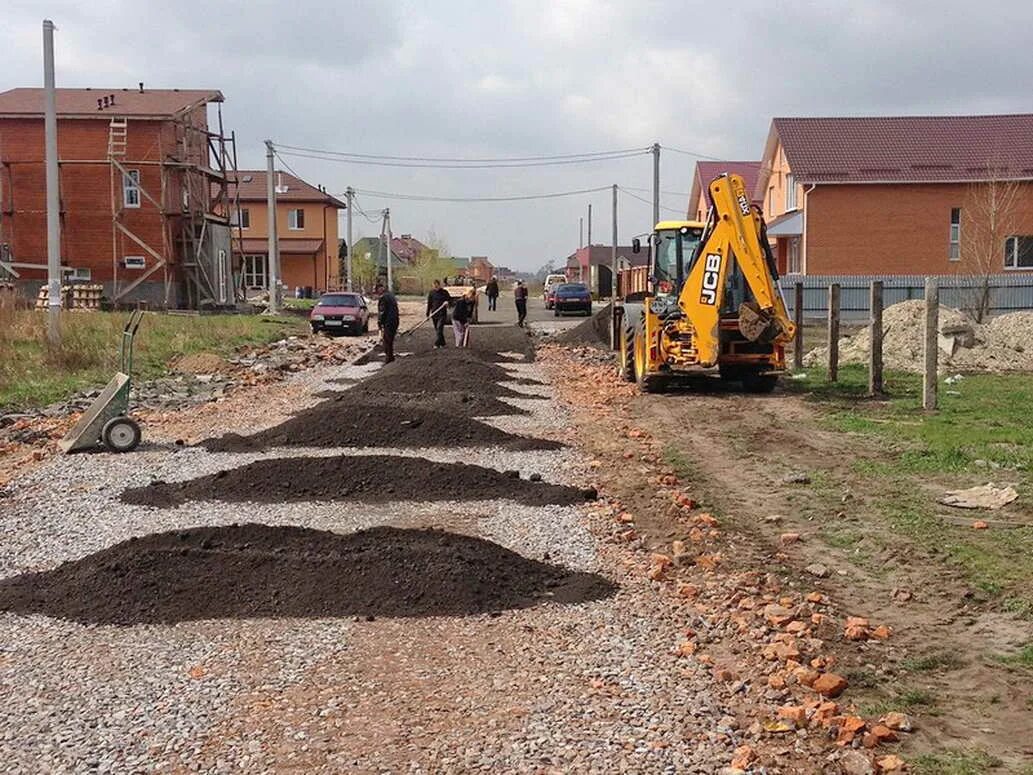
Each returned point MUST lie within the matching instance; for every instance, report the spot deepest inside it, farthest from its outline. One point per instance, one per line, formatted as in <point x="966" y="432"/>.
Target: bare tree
<point x="988" y="219"/>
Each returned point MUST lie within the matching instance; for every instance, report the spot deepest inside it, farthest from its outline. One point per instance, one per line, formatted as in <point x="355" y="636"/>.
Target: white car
<point x="551" y="281"/>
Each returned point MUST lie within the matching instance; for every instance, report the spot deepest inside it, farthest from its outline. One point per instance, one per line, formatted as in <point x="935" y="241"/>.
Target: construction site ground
<point x="521" y="565"/>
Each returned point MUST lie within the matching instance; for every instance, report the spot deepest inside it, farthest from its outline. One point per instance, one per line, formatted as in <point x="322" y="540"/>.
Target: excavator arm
<point x="735" y="232"/>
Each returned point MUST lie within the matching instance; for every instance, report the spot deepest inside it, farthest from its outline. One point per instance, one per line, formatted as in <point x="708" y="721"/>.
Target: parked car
<point x="551" y="281"/>
<point x="572" y="297"/>
<point x="340" y="313"/>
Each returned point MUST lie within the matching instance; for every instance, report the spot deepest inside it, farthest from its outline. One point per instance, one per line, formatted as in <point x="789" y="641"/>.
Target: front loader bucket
<point x="112" y="402"/>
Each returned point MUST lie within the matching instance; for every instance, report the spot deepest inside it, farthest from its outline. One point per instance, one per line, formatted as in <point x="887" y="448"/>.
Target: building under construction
<point x="145" y="191"/>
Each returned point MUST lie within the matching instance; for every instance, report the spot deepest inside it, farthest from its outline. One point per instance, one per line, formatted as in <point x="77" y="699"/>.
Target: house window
<point x="256" y="270"/>
<point x="771" y="201"/>
<point x="1018" y="252"/>
<point x="131" y="188"/>
<point x="296" y="219"/>
<point x="134" y="262"/>
<point x="794" y="255"/>
<point x="790" y="193"/>
<point x="241" y="217"/>
<point x="954" y="251"/>
<point x="80" y="274"/>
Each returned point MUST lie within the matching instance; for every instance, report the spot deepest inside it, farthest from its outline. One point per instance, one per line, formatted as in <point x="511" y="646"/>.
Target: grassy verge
<point x="34" y="373"/>
<point x="983" y="430"/>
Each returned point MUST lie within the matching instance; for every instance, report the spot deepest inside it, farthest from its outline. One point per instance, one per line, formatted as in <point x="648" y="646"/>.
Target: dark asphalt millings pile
<point x="356" y="478"/>
<point x="486" y="340"/>
<point x="251" y="571"/>
<point x="594" y="331"/>
<point x="453" y="403"/>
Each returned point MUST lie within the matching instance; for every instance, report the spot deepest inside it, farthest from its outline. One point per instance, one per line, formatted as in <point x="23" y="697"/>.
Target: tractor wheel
<point x="626" y="356"/>
<point x="647" y="383"/>
<point x="120" y="434"/>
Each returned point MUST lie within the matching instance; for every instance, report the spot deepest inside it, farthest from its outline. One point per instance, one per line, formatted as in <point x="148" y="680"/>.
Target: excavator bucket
<point x="756" y="324"/>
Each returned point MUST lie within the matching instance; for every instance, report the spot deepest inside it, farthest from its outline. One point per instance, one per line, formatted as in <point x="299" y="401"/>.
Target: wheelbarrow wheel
<point x="120" y="434"/>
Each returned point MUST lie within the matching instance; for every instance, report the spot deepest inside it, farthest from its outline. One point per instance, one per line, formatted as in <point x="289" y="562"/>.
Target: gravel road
<point x="593" y="686"/>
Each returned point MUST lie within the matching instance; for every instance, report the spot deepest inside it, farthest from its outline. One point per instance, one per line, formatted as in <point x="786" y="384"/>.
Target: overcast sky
<point x="532" y="77"/>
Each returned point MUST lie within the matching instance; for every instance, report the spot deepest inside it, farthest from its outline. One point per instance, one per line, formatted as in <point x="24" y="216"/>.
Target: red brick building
<point x="900" y="196"/>
<point x="706" y="171"/>
<point x="143" y="193"/>
<point x="481" y="269"/>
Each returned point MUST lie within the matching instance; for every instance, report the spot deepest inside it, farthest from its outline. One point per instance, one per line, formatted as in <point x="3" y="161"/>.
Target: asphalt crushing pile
<point x="251" y="571"/>
<point x="455" y="403"/>
<point x="593" y="331"/>
<point x="490" y="342"/>
<point x="356" y="478"/>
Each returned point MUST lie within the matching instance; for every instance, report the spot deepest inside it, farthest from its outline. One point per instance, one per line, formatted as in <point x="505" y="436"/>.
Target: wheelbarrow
<point x="106" y="422"/>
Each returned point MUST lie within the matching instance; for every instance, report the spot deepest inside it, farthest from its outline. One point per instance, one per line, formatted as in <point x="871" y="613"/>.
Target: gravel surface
<point x="594" y="686"/>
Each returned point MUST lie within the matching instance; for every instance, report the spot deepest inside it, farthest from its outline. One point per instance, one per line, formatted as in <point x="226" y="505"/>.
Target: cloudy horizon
<point x="532" y="78"/>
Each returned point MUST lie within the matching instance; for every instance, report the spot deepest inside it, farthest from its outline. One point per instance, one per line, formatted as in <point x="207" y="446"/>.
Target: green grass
<point x="988" y="421"/>
<point x="1022" y="658"/>
<point x="33" y="373"/>
<point x="300" y="303"/>
<point x="684" y="468"/>
<point x="906" y="701"/>
<point x="954" y="762"/>
<point x="927" y="663"/>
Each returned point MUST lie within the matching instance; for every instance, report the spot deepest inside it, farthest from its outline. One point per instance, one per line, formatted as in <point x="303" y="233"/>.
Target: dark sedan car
<point x="572" y="297"/>
<point x="340" y="313"/>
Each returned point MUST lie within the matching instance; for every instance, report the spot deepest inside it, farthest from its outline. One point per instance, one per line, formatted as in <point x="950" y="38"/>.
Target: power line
<point x="462" y="166"/>
<point x="648" y="202"/>
<point x="691" y="153"/>
<point x="649" y="191"/>
<point x="455" y="160"/>
<point x="521" y="198"/>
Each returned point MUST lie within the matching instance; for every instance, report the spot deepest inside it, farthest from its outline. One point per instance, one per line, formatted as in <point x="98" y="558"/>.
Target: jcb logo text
<point x="711" y="277"/>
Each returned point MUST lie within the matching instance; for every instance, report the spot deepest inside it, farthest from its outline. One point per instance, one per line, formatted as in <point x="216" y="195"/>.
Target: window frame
<point x="954" y="235"/>
<point x="131" y="184"/>
<point x="248" y="270"/>
<point x="1014" y="253"/>
<point x="241" y="218"/>
<point x="296" y="219"/>
<point x="134" y="262"/>
<point x="790" y="193"/>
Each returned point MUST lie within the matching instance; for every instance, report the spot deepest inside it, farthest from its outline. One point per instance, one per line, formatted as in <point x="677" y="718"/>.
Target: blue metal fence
<point x="1008" y="292"/>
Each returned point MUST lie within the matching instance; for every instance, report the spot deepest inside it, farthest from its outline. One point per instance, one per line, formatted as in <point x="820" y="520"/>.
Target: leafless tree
<point x="988" y="219"/>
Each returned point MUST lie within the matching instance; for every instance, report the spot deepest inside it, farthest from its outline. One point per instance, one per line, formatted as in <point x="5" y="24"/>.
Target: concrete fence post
<point x="932" y="345"/>
<point x="875" y="356"/>
<point x="798" y="320"/>
<point x="833" y="333"/>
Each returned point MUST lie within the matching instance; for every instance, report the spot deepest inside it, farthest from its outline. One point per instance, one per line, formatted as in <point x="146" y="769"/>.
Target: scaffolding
<point x="201" y="247"/>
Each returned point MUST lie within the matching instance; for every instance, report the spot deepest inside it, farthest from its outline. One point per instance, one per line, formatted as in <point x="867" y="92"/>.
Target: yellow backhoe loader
<point x="712" y="301"/>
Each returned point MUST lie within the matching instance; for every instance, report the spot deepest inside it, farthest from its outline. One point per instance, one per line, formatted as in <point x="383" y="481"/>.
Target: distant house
<point x="898" y="195"/>
<point x="306" y="224"/>
<point x="372" y="248"/>
<point x="481" y="268"/>
<point x="593" y="266"/>
<point x="407" y="248"/>
<point x="140" y="172"/>
<point x="706" y="171"/>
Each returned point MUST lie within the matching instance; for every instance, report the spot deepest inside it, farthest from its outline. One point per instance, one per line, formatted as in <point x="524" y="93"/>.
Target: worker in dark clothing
<point x="462" y="315"/>
<point x="387" y="321"/>
<point x="491" y="290"/>
<point x="437" y="311"/>
<point x="520" y="294"/>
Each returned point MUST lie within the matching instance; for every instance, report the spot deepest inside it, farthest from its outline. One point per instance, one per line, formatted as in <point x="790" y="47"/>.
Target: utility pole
<point x="349" y="195"/>
<point x="614" y="341"/>
<point x="387" y="235"/>
<point x="274" y="247"/>
<point x="590" y="224"/>
<point x="656" y="183"/>
<point x="580" y="233"/>
<point x="53" y="187"/>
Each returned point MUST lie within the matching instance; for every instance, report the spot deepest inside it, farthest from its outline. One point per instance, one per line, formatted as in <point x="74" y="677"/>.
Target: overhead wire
<point x="690" y="153"/>
<point x="647" y="201"/>
<point x="461" y="160"/>
<point x="516" y="198"/>
<point x="461" y="166"/>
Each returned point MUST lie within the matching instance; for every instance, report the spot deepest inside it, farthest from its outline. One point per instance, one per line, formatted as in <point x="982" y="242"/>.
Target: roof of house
<point x="251" y="187"/>
<point x="407" y="247"/>
<point x="706" y="171"/>
<point x="905" y="149"/>
<point x="372" y="245"/>
<point x="83" y="103"/>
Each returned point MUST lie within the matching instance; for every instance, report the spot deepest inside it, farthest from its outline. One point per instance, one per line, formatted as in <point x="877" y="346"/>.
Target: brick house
<point x="143" y="191"/>
<point x="481" y="269"/>
<point x="705" y="172"/>
<point x="306" y="230"/>
<point x="898" y="196"/>
<point x="594" y="266"/>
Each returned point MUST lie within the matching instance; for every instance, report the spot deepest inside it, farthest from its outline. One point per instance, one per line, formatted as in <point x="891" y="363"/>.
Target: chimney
<point x="112" y="100"/>
<point x="141" y="87"/>
<point x="99" y="105"/>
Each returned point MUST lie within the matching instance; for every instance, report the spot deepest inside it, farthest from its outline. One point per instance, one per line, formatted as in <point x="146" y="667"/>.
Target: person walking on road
<point x="520" y="294"/>
<point x="462" y="314"/>
<point x="437" y="311"/>
<point x="491" y="290"/>
<point x="387" y="321"/>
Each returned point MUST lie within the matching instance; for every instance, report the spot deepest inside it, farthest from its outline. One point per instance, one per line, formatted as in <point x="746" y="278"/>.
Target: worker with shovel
<point x="437" y="311"/>
<point x="462" y="314"/>
<point x="387" y="320"/>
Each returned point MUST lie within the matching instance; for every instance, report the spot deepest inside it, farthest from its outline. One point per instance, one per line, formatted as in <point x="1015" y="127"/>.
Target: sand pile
<point x="1004" y="343"/>
<point x="248" y="571"/>
<point x="594" y="331"/>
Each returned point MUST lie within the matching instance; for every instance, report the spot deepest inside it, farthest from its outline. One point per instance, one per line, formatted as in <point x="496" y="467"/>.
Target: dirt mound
<point x="250" y="571"/>
<point x="454" y="370"/>
<point x="356" y="478"/>
<point x="1002" y="344"/>
<point x="593" y="331"/>
<point x="489" y="341"/>
<point x="341" y="424"/>
<point x="454" y="403"/>
<point x="200" y="363"/>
